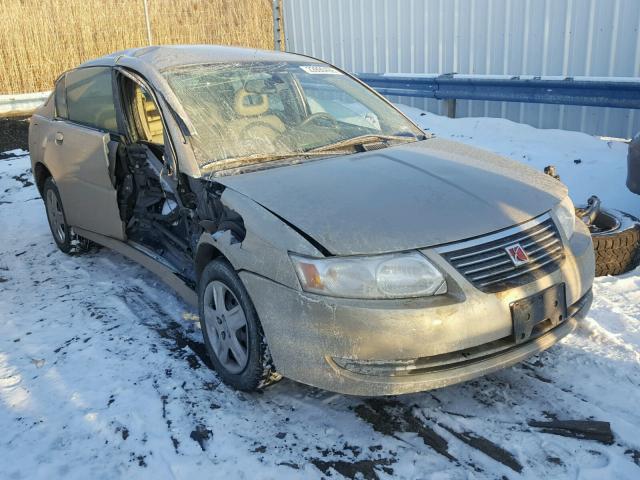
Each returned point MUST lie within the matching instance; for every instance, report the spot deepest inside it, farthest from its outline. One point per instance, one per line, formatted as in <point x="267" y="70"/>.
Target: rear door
<point x="81" y="151"/>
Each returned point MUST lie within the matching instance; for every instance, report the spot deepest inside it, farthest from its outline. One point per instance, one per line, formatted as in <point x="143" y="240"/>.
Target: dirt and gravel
<point x="13" y="134"/>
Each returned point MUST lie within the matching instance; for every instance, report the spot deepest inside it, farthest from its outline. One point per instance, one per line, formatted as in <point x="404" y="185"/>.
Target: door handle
<point x="59" y="138"/>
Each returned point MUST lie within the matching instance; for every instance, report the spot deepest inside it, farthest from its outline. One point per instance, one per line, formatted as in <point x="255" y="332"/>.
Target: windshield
<point x="263" y="110"/>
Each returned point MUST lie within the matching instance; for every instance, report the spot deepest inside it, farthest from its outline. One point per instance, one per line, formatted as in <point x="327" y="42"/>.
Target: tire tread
<point x="618" y="252"/>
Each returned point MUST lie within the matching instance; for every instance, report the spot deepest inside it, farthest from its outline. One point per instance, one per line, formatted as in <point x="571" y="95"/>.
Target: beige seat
<point x="252" y="123"/>
<point x="149" y="117"/>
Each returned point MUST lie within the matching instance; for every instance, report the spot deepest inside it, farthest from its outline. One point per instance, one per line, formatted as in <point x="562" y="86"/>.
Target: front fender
<point x="263" y="250"/>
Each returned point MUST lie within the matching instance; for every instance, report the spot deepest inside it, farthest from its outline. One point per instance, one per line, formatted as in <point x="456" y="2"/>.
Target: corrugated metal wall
<point x="511" y="37"/>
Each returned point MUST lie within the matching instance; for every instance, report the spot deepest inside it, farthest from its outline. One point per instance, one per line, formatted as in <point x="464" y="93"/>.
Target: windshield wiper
<point x="236" y="162"/>
<point x="363" y="140"/>
<point x="331" y="149"/>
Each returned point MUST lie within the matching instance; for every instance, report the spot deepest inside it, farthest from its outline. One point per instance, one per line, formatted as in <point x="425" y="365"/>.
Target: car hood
<point x="403" y="197"/>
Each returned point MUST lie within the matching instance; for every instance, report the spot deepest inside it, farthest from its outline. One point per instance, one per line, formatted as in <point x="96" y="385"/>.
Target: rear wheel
<point x="55" y="214"/>
<point x="616" y="242"/>
<point x="63" y="235"/>
<point x="231" y="329"/>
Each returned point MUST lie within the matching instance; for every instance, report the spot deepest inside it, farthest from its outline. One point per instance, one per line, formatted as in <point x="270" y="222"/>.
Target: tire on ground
<point x="259" y="370"/>
<point x="616" y="242"/>
<point x="68" y="242"/>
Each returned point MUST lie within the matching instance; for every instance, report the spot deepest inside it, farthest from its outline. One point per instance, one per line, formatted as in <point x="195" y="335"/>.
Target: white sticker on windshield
<point x="319" y="69"/>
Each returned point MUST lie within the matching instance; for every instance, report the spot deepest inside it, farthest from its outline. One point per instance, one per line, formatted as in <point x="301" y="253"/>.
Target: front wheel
<point x="231" y="329"/>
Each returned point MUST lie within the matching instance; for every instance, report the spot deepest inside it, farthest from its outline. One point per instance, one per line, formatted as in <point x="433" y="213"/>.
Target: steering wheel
<point x="317" y="116"/>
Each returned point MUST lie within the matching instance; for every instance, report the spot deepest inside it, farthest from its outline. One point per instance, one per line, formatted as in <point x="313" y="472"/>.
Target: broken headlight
<point x="400" y="275"/>
<point x="565" y="214"/>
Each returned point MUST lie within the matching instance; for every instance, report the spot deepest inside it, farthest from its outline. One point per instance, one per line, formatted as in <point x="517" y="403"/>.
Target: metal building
<point x="598" y="38"/>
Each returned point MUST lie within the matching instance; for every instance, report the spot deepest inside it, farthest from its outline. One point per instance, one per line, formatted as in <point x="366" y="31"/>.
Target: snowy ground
<point x="102" y="371"/>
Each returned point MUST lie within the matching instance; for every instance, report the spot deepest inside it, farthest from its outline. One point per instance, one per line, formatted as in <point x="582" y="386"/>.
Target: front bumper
<point x="353" y="346"/>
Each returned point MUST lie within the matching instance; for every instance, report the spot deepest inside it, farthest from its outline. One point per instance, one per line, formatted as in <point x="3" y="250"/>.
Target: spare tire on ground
<point x="616" y="242"/>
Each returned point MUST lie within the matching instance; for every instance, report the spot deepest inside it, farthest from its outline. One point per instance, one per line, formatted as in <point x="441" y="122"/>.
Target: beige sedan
<point x="321" y="234"/>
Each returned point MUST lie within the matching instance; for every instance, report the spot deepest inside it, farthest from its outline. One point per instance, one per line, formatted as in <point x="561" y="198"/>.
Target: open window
<point x="147" y="114"/>
<point x="148" y="192"/>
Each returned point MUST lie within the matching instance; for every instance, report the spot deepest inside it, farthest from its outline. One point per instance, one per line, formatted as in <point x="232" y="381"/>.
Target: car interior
<point x="148" y="116"/>
<point x="253" y="119"/>
<point x="148" y="198"/>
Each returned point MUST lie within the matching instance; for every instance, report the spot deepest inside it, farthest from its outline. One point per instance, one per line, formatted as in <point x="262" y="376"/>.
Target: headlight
<point x="399" y="275"/>
<point x="566" y="215"/>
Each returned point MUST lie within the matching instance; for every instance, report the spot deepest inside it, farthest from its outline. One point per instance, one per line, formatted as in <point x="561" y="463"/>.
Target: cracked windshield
<point x="252" y="112"/>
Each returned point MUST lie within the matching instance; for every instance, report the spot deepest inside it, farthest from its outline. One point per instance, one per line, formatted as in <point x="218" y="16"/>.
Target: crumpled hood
<point x="399" y="198"/>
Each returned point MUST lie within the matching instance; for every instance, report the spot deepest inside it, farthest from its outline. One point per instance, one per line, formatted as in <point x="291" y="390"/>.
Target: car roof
<point x="167" y="56"/>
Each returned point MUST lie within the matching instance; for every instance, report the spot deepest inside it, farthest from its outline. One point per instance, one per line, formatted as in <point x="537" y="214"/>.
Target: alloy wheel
<point x="56" y="217"/>
<point x="226" y="326"/>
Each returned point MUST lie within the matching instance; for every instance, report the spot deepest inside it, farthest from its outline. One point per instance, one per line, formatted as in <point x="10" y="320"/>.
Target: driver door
<point x="82" y="150"/>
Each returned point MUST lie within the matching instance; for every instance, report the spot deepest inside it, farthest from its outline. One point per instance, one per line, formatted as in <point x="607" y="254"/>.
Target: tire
<point x="55" y="215"/>
<point x="221" y="291"/>
<point x="616" y="242"/>
<point x="62" y="233"/>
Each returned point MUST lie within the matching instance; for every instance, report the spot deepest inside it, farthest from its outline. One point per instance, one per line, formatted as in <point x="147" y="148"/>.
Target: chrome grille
<point x="486" y="264"/>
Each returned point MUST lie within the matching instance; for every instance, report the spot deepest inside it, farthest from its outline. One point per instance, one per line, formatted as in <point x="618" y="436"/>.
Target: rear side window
<point x="90" y="98"/>
<point x="61" y="99"/>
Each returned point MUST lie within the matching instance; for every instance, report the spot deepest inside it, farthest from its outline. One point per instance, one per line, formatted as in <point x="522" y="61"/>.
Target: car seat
<point x="149" y="117"/>
<point x="252" y="122"/>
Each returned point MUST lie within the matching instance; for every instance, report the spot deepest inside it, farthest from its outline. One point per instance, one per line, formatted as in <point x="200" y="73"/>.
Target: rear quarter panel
<point x="39" y="126"/>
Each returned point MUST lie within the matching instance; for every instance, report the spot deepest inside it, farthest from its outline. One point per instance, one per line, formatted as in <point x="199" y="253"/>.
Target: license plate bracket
<point x="538" y="313"/>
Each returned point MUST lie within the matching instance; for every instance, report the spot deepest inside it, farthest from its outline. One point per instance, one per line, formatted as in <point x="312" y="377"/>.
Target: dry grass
<point x="41" y="39"/>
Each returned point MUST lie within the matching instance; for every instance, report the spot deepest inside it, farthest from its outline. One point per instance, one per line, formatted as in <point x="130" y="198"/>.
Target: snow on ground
<point x="103" y="373"/>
